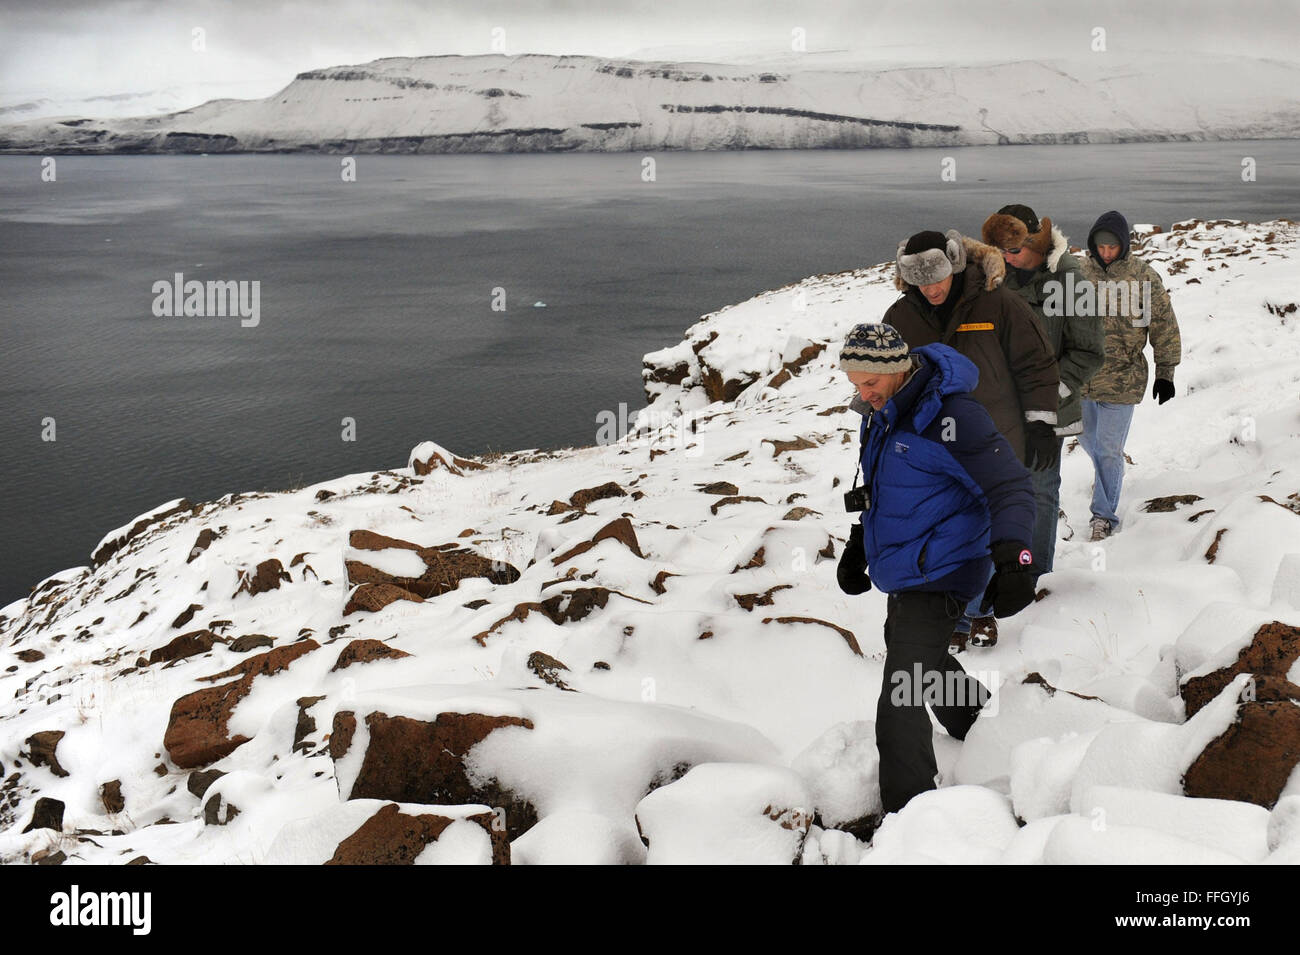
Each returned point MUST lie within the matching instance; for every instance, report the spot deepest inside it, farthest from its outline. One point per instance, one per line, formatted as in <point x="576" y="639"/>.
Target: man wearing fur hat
<point x="943" y="502"/>
<point x="1041" y="270"/>
<point x="952" y="294"/>
<point x="1135" y="310"/>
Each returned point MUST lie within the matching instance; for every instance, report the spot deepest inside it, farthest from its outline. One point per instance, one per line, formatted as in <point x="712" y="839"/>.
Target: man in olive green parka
<point x="1041" y="270"/>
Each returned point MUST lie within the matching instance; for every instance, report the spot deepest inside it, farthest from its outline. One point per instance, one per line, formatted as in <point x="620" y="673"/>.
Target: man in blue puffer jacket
<point x="943" y="494"/>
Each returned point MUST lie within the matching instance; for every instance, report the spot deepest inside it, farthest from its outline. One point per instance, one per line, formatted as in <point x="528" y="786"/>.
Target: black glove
<point x="1012" y="588"/>
<point x="1163" y="390"/>
<point x="1042" y="447"/>
<point x="852" y="572"/>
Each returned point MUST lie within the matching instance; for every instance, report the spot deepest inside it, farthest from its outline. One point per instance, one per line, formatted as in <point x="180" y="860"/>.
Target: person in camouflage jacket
<point x="1134" y="309"/>
<point x="1041" y="270"/>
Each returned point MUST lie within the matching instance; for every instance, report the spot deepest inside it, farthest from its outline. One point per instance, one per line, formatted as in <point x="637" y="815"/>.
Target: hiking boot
<point x="1101" y="529"/>
<point x="984" y="632"/>
<point x="957" y="642"/>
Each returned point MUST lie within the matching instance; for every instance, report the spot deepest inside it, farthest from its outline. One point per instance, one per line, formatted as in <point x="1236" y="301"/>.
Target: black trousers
<point x="919" y="670"/>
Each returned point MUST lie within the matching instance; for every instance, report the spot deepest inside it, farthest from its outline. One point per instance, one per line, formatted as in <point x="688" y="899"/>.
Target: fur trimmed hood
<point x="986" y="257"/>
<point x="1005" y="230"/>
<point x="1060" y="245"/>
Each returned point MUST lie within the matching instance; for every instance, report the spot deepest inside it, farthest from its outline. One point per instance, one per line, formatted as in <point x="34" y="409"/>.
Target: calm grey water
<point x="376" y="296"/>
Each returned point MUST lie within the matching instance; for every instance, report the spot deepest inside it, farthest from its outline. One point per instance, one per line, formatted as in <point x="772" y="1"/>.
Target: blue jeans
<point x="973" y="609"/>
<point x="1105" y="429"/>
<point x="1047" y="509"/>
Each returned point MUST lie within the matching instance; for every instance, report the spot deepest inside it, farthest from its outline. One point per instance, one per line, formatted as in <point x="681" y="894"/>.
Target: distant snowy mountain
<point x="14" y="109"/>
<point x="637" y="651"/>
<point x="532" y="103"/>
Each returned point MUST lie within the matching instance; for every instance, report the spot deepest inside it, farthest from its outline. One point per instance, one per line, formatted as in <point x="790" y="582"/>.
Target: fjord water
<point x="376" y="296"/>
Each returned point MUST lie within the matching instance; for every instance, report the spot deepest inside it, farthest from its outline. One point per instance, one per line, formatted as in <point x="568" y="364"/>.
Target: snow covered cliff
<point x="637" y="652"/>
<point x="445" y="104"/>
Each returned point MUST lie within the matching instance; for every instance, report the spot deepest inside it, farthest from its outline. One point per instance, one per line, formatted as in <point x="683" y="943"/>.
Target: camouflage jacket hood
<point x="1135" y="309"/>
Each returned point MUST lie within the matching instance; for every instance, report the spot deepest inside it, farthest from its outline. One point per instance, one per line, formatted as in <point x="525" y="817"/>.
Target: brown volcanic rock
<point x="446" y="565"/>
<point x="186" y="645"/>
<point x="48" y="814"/>
<point x="110" y="796"/>
<point x="370" y="598"/>
<point x="202" y="542"/>
<point x="186" y="615"/>
<point x="268" y="576"/>
<point x="408" y="760"/>
<point x="43" y="750"/>
<point x="719" y="487"/>
<point x="781" y="447"/>
<point x="273" y="661"/>
<point x="589" y="495"/>
<point x="1252" y="759"/>
<point x="1269" y="657"/>
<point x="110" y="548"/>
<point x="765" y="599"/>
<point x="620" y="529"/>
<point x="847" y="635"/>
<point x="435" y="461"/>
<point x="196" y="728"/>
<point x="561" y="608"/>
<point x="390" y="837"/>
<point x="547" y="669"/>
<point x="306" y="724"/>
<point x="363" y="651"/>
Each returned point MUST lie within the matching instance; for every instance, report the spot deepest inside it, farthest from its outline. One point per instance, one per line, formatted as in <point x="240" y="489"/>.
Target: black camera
<point x="857" y="500"/>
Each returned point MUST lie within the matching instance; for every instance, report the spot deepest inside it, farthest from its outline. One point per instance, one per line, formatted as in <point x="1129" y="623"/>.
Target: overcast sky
<point x="73" y="49"/>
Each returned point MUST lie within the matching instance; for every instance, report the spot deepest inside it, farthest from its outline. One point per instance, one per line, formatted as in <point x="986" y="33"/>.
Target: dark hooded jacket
<point x="1124" y="289"/>
<point x="998" y="332"/>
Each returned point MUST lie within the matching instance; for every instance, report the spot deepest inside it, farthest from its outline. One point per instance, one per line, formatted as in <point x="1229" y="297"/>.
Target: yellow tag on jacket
<point x="976" y="327"/>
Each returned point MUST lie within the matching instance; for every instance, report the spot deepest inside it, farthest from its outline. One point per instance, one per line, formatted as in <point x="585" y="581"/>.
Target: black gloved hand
<point x="1163" y="390"/>
<point x="1042" y="447"/>
<point x="852" y="572"/>
<point x="1012" y="588"/>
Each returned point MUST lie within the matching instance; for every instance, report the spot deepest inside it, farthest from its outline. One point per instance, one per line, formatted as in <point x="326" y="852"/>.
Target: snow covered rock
<point x="1286" y="584"/>
<point x="1237" y="828"/>
<point x="841" y="769"/>
<point x="1252" y="536"/>
<point x="375" y="832"/>
<point x="419" y="761"/>
<point x="114" y="541"/>
<point x="1140" y="754"/>
<point x="1270" y="658"/>
<point x="1078" y="841"/>
<point x="428" y="457"/>
<point x="196" y="729"/>
<point x="1018" y="712"/>
<point x="727" y="814"/>
<point x="956" y="825"/>
<point x="424" y="572"/>
<point x="1254" y="758"/>
<point x="526" y="752"/>
<point x="578" y="837"/>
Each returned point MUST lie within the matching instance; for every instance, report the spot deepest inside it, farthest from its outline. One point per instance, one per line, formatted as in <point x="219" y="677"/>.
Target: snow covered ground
<point x="528" y="103"/>
<point x="444" y="644"/>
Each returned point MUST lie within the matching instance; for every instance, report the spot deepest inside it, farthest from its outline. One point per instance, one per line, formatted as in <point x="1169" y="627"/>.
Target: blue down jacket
<point x="943" y="482"/>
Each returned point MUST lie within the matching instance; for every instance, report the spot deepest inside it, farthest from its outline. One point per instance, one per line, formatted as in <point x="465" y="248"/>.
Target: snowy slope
<point x="717" y="699"/>
<point x="529" y="103"/>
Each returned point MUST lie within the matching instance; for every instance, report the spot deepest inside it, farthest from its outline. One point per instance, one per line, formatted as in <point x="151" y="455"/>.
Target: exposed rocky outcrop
<point x="196" y="729"/>
<point x="409" y="760"/>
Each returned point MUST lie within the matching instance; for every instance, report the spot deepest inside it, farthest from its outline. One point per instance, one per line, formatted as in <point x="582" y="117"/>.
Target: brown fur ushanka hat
<point x="1016" y="227"/>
